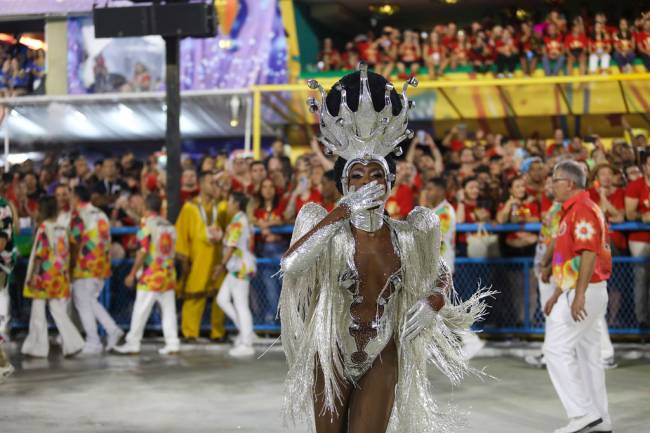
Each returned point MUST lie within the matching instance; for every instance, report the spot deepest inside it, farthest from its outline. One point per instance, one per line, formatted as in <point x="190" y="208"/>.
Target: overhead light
<point x="449" y="2"/>
<point x="522" y="14"/>
<point x="32" y="43"/>
<point x="385" y="8"/>
<point x="235" y="104"/>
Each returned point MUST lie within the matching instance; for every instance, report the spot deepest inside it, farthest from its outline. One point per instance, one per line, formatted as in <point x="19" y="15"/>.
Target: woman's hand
<point x="367" y="197"/>
<point x="418" y="317"/>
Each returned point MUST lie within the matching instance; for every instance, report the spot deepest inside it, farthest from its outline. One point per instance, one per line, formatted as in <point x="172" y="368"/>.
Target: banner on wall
<point x="250" y="49"/>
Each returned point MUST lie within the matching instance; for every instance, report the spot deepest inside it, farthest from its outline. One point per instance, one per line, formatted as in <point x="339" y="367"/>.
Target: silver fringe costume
<point x="319" y="287"/>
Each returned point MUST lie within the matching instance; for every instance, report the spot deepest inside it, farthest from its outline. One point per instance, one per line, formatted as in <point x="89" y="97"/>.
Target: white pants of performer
<point x="4" y="312"/>
<point x="144" y="302"/>
<point x="37" y="342"/>
<point x="572" y="353"/>
<point x="86" y="293"/>
<point x="606" y="348"/>
<point x="233" y="300"/>
<point x="594" y="59"/>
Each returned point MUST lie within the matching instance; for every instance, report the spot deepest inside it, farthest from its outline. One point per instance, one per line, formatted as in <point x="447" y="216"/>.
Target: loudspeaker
<point x="170" y="19"/>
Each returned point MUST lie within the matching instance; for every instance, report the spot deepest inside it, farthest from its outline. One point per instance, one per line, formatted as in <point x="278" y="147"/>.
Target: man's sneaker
<point x="536" y="361"/>
<point x="472" y="347"/>
<point x="114" y="338"/>
<point x="5" y="372"/>
<point x="580" y="423"/>
<point x="92" y="349"/>
<point x="603" y="427"/>
<point x="241" y="351"/>
<point x="169" y="350"/>
<point x="127" y="349"/>
<point x="609" y="363"/>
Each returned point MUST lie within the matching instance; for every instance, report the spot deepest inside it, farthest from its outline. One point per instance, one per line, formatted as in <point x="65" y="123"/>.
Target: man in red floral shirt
<point x="582" y="264"/>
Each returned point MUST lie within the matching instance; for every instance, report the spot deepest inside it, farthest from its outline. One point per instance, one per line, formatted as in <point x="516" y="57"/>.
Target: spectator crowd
<point x="557" y="43"/>
<point x="486" y="177"/>
<point x="22" y="70"/>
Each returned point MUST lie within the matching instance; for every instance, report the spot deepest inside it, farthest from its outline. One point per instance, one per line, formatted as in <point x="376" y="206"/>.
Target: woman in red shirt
<point x="624" y="46"/>
<point x="470" y="210"/>
<point x="507" y="54"/>
<point x="600" y="48"/>
<point x="553" y="51"/>
<point x="435" y="56"/>
<point x="329" y="57"/>
<point x="459" y="50"/>
<point x="267" y="213"/>
<point x="576" y="45"/>
<point x="409" y="55"/>
<point x="520" y="208"/>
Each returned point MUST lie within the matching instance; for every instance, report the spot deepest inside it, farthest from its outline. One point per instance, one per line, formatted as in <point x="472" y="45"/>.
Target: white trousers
<point x="606" y="348"/>
<point x="594" y="60"/>
<point x="37" y="341"/>
<point x="233" y="300"/>
<point x="573" y="354"/>
<point x="5" y="310"/>
<point x="86" y="293"/>
<point x="144" y="302"/>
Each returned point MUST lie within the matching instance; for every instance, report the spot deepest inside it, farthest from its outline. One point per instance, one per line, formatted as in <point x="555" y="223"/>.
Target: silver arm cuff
<point x="307" y="253"/>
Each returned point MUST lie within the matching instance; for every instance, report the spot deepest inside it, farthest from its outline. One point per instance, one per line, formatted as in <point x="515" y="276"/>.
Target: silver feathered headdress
<point x="366" y="133"/>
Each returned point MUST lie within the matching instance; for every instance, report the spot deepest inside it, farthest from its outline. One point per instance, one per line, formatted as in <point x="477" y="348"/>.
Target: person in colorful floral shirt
<point x="582" y="264"/>
<point x="239" y="263"/>
<point x="48" y="282"/>
<point x="156" y="279"/>
<point x="90" y="240"/>
<point x="8" y="216"/>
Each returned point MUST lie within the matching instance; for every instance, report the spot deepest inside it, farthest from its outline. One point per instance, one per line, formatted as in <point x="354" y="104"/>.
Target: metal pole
<point x="173" y="134"/>
<point x="249" y="121"/>
<point x="257" y="123"/>
<point x="5" y="124"/>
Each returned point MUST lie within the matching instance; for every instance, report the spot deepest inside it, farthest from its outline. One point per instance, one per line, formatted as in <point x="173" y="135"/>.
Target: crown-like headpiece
<point x="366" y="132"/>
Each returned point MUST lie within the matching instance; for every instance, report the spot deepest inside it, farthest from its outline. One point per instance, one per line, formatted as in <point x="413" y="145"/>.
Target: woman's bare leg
<point x="371" y="403"/>
<point x="328" y="422"/>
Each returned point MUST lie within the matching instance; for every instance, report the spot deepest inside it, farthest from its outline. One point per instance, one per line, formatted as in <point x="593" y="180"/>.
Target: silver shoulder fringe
<point x="310" y="302"/>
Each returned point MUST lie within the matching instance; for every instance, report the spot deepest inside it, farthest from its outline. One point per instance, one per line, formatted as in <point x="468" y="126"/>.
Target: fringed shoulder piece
<point x="305" y="255"/>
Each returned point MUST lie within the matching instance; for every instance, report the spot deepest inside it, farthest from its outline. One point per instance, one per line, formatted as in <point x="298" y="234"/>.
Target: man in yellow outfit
<point x="198" y="247"/>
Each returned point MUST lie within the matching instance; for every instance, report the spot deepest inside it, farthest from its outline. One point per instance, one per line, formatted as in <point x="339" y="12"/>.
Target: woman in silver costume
<point x="366" y="301"/>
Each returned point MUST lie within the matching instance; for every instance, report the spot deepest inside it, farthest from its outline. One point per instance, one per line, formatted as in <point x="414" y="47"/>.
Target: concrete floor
<point x="202" y="390"/>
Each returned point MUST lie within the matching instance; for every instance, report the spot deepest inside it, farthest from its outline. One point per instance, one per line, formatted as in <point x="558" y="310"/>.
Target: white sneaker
<point x="113" y="338"/>
<point x="241" y="351"/>
<point x="5" y="372"/>
<point x="169" y="350"/>
<point x="472" y="348"/>
<point x="580" y="423"/>
<point x="127" y="349"/>
<point x="537" y="361"/>
<point x="609" y="363"/>
<point x="92" y="349"/>
<point x="603" y="427"/>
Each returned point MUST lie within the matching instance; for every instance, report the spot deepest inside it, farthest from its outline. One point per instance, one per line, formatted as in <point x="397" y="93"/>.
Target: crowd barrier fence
<point x="514" y="310"/>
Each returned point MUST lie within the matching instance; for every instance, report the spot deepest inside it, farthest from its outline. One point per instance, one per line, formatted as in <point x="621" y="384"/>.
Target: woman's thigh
<point x="371" y="402"/>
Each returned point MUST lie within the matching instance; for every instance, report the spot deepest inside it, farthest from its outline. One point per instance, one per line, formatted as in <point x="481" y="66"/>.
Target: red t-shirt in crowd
<point x="617" y="199"/>
<point x="573" y="42"/>
<point x="188" y="194"/>
<point x="527" y="209"/>
<point x="546" y="203"/>
<point x="314" y="197"/>
<point x="642" y="40"/>
<point x="400" y="202"/>
<point x="237" y="186"/>
<point x="553" y="45"/>
<point x="470" y="218"/>
<point x="582" y="228"/>
<point x="640" y="190"/>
